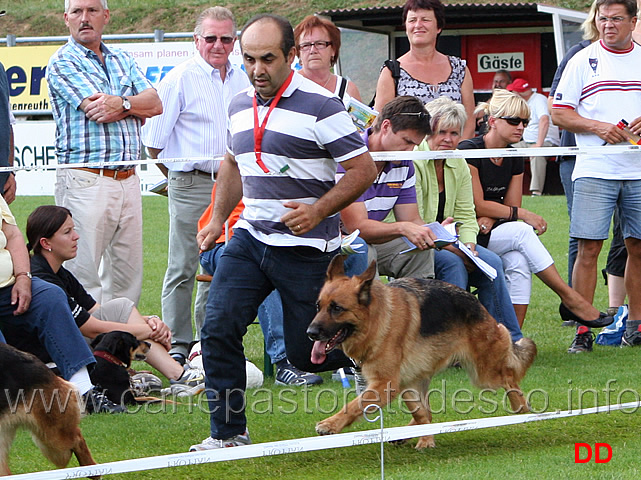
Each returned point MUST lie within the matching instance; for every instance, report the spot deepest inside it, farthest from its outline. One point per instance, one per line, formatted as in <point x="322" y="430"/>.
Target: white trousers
<point x="107" y="214"/>
<point x="522" y="254"/>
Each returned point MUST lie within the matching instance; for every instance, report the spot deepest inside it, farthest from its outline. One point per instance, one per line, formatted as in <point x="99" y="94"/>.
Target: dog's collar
<point x="109" y="357"/>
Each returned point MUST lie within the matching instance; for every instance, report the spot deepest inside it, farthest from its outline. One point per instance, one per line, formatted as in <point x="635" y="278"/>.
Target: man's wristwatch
<point x="28" y="274"/>
<point x="126" y="104"/>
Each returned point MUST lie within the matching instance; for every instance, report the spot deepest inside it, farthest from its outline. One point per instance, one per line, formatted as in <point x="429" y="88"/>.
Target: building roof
<point x="458" y="15"/>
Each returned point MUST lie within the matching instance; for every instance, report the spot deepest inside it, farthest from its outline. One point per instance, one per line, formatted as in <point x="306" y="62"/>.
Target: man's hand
<point x="104" y="108"/>
<point x="610" y="133"/>
<point x="207" y="237"/>
<point x="302" y="218"/>
<point x="21" y="294"/>
<point x="635" y="126"/>
<point x="9" y="193"/>
<point x="160" y="332"/>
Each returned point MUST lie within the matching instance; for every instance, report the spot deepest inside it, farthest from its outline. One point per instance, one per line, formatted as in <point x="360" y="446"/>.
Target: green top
<point x="459" y="199"/>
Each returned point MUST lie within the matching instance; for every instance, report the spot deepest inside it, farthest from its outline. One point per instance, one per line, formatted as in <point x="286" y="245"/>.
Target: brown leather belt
<point x="110" y="173"/>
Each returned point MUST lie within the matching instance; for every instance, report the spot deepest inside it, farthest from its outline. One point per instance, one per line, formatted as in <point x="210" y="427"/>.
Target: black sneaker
<point x="631" y="339"/>
<point x="288" y="374"/>
<point x="582" y="341"/>
<point x="96" y="402"/>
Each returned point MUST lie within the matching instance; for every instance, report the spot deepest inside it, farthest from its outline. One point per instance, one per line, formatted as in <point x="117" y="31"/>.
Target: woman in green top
<point x="444" y="189"/>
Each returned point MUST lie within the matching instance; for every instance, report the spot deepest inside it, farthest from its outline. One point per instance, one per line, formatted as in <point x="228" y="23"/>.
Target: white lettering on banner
<point x="491" y="62"/>
<point x="34" y="147"/>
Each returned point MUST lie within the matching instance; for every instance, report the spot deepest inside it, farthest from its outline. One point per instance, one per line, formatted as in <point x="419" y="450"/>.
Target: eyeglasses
<point x="615" y="20"/>
<point x="320" y="45"/>
<point x="514" y="121"/>
<point x="213" y="38"/>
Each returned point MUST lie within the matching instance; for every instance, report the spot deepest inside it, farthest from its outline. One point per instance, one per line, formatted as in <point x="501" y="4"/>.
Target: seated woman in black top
<point x="497" y="189"/>
<point x="53" y="239"/>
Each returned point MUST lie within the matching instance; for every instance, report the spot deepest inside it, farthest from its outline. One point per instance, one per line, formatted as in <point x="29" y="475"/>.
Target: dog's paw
<point x="425" y="442"/>
<point x="325" y="428"/>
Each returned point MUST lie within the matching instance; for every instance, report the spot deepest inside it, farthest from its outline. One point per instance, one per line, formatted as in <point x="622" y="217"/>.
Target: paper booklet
<point x="347" y="248"/>
<point x="362" y="115"/>
<point x="445" y="235"/>
<point x="160" y="188"/>
<point x="485" y="267"/>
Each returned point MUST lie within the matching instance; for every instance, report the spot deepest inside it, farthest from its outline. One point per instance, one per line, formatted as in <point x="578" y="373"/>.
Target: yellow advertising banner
<point x="25" y="67"/>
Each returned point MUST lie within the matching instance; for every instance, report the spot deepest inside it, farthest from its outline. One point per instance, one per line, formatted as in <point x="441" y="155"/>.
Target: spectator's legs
<point x="50" y="318"/>
<point x="189" y="195"/>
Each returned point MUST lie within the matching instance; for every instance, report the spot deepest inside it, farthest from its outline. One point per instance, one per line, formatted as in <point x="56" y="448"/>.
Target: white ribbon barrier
<point x="383" y="156"/>
<point x="311" y="444"/>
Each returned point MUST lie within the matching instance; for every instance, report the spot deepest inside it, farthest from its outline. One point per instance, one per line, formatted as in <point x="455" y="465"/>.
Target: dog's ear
<point x="366" y="278"/>
<point x="97" y="340"/>
<point x="336" y="267"/>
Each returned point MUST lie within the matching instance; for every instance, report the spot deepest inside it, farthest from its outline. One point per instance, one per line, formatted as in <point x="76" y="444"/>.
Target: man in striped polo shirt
<point x="286" y="136"/>
<point x="402" y="124"/>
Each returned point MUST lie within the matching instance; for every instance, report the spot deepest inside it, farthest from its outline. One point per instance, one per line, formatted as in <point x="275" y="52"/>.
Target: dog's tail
<point x="523" y="354"/>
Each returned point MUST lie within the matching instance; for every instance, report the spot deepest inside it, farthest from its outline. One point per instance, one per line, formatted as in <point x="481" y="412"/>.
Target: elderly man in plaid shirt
<point x="100" y="100"/>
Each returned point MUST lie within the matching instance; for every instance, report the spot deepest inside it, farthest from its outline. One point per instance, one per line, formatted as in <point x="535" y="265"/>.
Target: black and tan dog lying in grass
<point x="32" y="397"/>
<point x="114" y="352"/>
<point x="403" y="333"/>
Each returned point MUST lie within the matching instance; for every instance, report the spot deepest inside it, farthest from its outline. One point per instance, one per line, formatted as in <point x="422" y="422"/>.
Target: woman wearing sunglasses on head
<point x="497" y="184"/>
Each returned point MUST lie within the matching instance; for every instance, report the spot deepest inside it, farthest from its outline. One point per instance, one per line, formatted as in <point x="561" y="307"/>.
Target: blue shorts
<point x="593" y="205"/>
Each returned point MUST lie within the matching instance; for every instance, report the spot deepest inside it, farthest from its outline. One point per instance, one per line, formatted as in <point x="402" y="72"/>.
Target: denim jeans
<point x="49" y="317"/>
<point x="246" y="274"/>
<point x="270" y="312"/>
<point x="566" y="167"/>
<point x="356" y="263"/>
<point x="493" y="295"/>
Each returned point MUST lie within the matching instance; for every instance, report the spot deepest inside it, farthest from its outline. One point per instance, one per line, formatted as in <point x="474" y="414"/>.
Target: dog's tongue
<point x="318" y="352"/>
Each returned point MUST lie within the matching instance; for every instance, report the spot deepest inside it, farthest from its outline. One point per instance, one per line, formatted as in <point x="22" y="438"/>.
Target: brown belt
<point x="110" y="173"/>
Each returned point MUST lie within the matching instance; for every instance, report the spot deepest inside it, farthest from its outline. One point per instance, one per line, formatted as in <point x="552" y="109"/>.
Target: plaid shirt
<point x="75" y="73"/>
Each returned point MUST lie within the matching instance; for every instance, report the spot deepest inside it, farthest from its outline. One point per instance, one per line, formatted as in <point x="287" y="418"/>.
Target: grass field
<point x="557" y="381"/>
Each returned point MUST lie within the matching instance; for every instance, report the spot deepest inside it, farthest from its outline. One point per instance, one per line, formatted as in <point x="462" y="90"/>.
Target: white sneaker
<point x="212" y="443"/>
<point x="192" y="382"/>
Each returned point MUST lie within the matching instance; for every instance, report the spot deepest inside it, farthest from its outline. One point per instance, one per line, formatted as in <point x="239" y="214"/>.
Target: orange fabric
<point x="233" y="218"/>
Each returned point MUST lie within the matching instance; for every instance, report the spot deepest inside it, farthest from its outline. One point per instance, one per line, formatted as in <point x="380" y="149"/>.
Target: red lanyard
<point x="259" y="129"/>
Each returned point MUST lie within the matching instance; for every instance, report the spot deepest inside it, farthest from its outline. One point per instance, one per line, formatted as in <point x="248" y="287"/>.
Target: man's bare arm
<point x="229" y="191"/>
<point x="104" y="108"/>
<point x="570" y="120"/>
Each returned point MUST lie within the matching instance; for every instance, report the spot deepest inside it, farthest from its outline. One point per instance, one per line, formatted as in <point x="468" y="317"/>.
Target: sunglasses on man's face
<point x="213" y="38"/>
<point x="514" y="121"/>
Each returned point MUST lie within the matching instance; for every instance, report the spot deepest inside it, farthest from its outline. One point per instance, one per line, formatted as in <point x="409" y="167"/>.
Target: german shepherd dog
<point x="33" y="397"/>
<point x="403" y="333"/>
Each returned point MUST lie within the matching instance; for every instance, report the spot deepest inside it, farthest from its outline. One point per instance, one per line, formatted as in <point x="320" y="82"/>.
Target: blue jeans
<point x="494" y="295"/>
<point x="248" y="271"/>
<point x="49" y="317"/>
<point x="356" y="263"/>
<point x="566" y="167"/>
<point x="270" y="312"/>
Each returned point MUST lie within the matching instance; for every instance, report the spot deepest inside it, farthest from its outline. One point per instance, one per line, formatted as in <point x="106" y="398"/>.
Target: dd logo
<point x="588" y="449"/>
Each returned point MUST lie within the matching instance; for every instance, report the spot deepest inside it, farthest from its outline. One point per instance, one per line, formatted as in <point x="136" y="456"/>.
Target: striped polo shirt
<point x="395" y="185"/>
<point x="307" y="133"/>
<point x="75" y="73"/>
